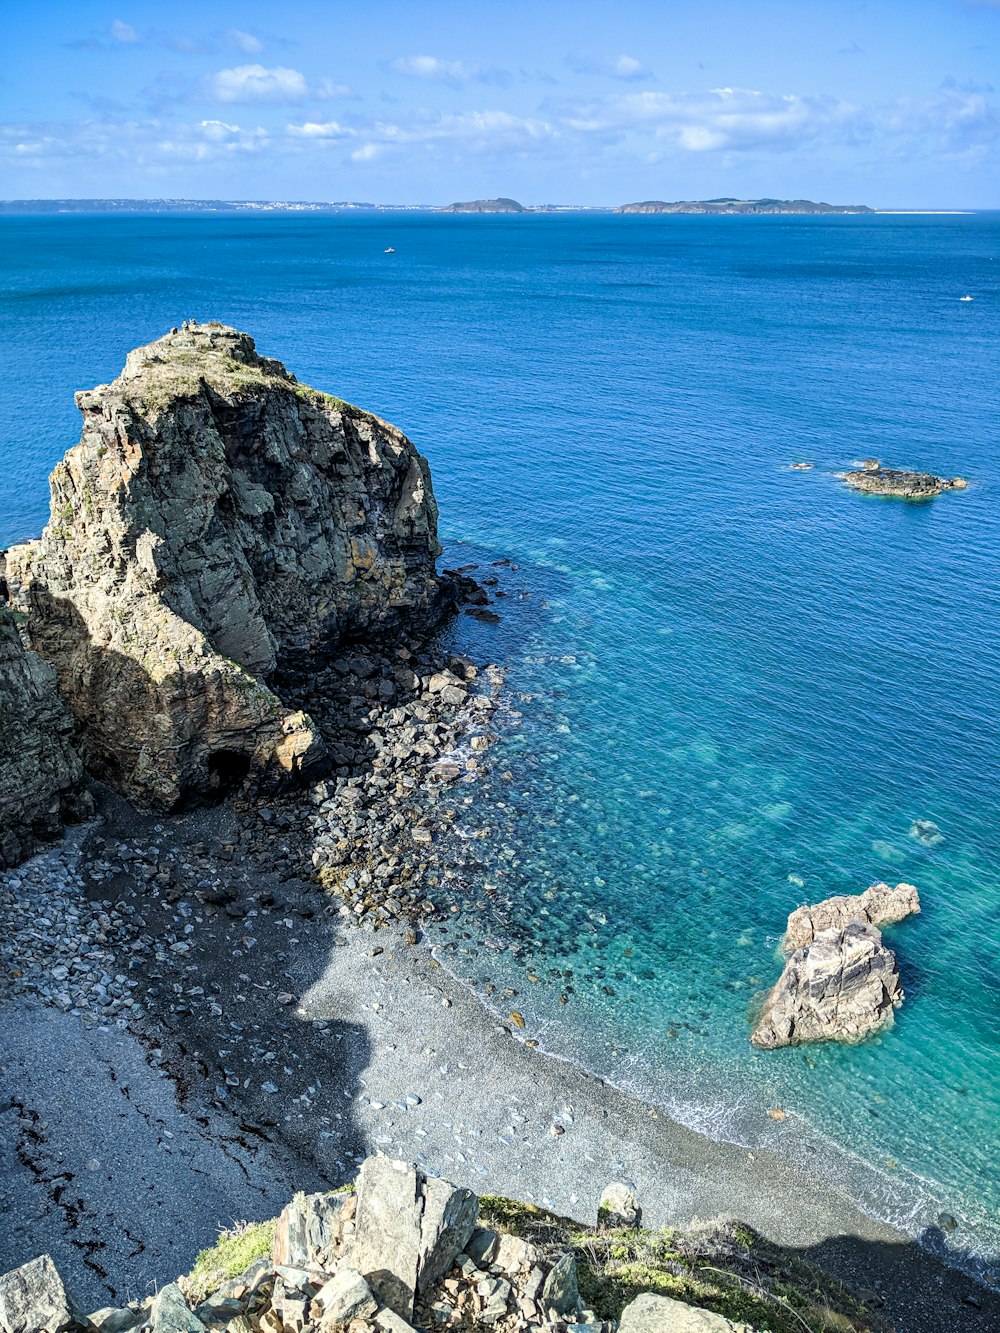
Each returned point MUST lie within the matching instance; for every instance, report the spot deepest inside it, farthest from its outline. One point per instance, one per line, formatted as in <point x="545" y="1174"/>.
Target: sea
<point x="733" y="686"/>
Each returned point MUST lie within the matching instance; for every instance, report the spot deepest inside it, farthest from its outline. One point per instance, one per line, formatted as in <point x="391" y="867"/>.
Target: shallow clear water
<point x="741" y="684"/>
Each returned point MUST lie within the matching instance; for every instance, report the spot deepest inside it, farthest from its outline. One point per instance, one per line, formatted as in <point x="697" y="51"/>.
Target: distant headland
<point x="742" y="206"/>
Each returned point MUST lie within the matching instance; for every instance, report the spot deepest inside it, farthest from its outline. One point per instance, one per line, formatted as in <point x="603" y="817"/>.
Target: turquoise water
<point x="737" y="685"/>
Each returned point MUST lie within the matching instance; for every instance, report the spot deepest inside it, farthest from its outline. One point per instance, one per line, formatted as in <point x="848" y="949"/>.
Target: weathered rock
<point x="170" y="1312"/>
<point x="449" y="1216"/>
<point x="842" y="986"/>
<point x="409" y="1229"/>
<point x="879" y="905"/>
<point x="875" y="479"/>
<point x="41" y="775"/>
<point x="111" y="1319"/>
<point x="309" y="1232"/>
<point x="662" y="1314"/>
<point x="619" y="1206"/>
<point x="216" y="520"/>
<point x="560" y="1292"/>
<point x="346" y="1296"/>
<point x="34" y="1300"/>
<point x="386" y="1247"/>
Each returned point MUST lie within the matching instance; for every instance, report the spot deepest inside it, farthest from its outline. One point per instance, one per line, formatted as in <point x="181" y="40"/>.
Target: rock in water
<point x="842" y="986"/>
<point x="875" y="479"/>
<point x="41" y="776"/>
<point x="879" y="905"/>
<point x="217" y="519"/>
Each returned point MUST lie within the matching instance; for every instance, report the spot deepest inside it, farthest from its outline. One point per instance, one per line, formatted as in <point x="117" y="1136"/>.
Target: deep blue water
<point x="739" y="684"/>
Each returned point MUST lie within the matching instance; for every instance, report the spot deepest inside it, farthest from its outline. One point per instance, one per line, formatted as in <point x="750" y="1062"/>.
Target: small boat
<point x="965" y="298"/>
<point x="390" y="251"/>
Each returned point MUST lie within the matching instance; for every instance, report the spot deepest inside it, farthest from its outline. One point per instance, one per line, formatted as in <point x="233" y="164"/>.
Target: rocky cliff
<point x="216" y="522"/>
<point x="41" y="777"/>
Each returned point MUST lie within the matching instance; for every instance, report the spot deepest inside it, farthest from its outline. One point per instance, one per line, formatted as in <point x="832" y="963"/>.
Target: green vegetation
<point x="728" y="1269"/>
<point x="231" y="1255"/>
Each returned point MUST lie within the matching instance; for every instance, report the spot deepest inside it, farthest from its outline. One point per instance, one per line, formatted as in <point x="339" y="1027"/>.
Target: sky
<point x="892" y="103"/>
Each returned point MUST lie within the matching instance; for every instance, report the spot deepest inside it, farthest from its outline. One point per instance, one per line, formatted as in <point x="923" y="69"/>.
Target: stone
<point x="309" y="1232"/>
<point x="662" y="1314"/>
<point x="449" y="1217"/>
<point x="879" y="905"/>
<point x="217" y="520"/>
<point x="514" y="1255"/>
<point x="482" y="1246"/>
<point x="874" y="479"/>
<point x="389" y="1322"/>
<point x="112" y="1320"/>
<point x="170" y="1312"/>
<point x="619" y="1206"/>
<point x="409" y="1229"/>
<point x="560" y="1292"/>
<point x="34" y="1300"/>
<point x="843" y="986"/>
<point x="41" y="774"/>
<point x="386" y="1245"/>
<point x="346" y="1296"/>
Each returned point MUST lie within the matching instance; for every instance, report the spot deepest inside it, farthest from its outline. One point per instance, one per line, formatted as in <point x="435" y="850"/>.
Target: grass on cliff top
<point x="231" y="1255"/>
<point x="730" y="1270"/>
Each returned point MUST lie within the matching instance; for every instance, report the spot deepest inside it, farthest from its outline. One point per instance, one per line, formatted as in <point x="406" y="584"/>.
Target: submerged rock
<point x="217" y="521"/>
<point x="879" y="905"/>
<point x="875" y="479"/>
<point x="842" y="986"/>
<point x="41" y="775"/>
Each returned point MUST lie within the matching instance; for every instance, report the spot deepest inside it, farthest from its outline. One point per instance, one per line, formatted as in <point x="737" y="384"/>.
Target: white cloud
<point x="454" y="73"/>
<point x="476" y="131"/>
<point x="255" y="83"/>
<point x="618" y="67"/>
<point x="244" y="41"/>
<point x="123" y="32"/>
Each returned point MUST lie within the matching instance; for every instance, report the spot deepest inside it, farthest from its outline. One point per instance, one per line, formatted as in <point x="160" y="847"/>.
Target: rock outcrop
<point x="41" y="776"/>
<point x="879" y="905"/>
<point x="874" y="479"/>
<point x="840" y="981"/>
<point x="217" y="523"/>
<point x="843" y="986"/>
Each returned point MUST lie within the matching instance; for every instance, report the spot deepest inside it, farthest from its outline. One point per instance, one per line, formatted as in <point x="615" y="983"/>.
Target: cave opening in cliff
<point x="227" y="770"/>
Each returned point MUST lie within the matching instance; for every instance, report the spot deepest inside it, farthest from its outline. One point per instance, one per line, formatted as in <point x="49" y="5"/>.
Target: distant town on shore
<point x="499" y="205"/>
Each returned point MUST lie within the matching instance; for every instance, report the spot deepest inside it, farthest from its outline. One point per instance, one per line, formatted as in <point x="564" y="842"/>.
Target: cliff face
<point x="41" y="777"/>
<point x="216" y="519"/>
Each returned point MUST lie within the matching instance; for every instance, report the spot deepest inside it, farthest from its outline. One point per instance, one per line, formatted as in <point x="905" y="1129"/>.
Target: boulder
<point x="560" y="1292"/>
<point x="41" y="774"/>
<point x="309" y="1232"/>
<point x="879" y="905"/>
<point x="34" y="1300"/>
<point x="217" y="520"/>
<point x="662" y="1314"/>
<point x="409" y="1229"/>
<point x="842" y="986"/>
<point x="170" y="1312"/>
<point x="345" y="1297"/>
<point x="619" y="1206"/>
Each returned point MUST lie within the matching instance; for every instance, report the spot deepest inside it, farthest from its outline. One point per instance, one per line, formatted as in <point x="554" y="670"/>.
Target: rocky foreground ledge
<point x="403" y="1250"/>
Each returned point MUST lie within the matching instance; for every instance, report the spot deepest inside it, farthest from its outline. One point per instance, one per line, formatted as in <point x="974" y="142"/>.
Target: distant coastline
<point x="500" y="205"/>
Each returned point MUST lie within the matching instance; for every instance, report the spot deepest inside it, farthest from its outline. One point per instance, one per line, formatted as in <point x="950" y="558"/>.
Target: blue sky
<point x="888" y="102"/>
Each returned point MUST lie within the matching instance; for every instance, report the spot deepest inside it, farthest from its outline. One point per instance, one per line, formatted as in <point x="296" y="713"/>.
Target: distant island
<point x="488" y="206"/>
<point x="742" y="206"/>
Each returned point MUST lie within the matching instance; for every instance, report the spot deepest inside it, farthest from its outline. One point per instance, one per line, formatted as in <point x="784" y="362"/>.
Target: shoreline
<point x="378" y="1047"/>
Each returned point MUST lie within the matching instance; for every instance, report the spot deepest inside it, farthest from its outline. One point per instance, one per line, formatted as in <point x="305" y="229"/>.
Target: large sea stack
<point x="217" y="523"/>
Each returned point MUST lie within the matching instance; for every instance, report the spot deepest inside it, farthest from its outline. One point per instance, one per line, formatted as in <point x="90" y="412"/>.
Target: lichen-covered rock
<point x="41" y="776"/>
<point x="34" y="1300"/>
<point x="619" y="1205"/>
<point x="310" y="1231"/>
<point x="842" y="986"/>
<point x="216" y="521"/>
<point x="879" y="905"/>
